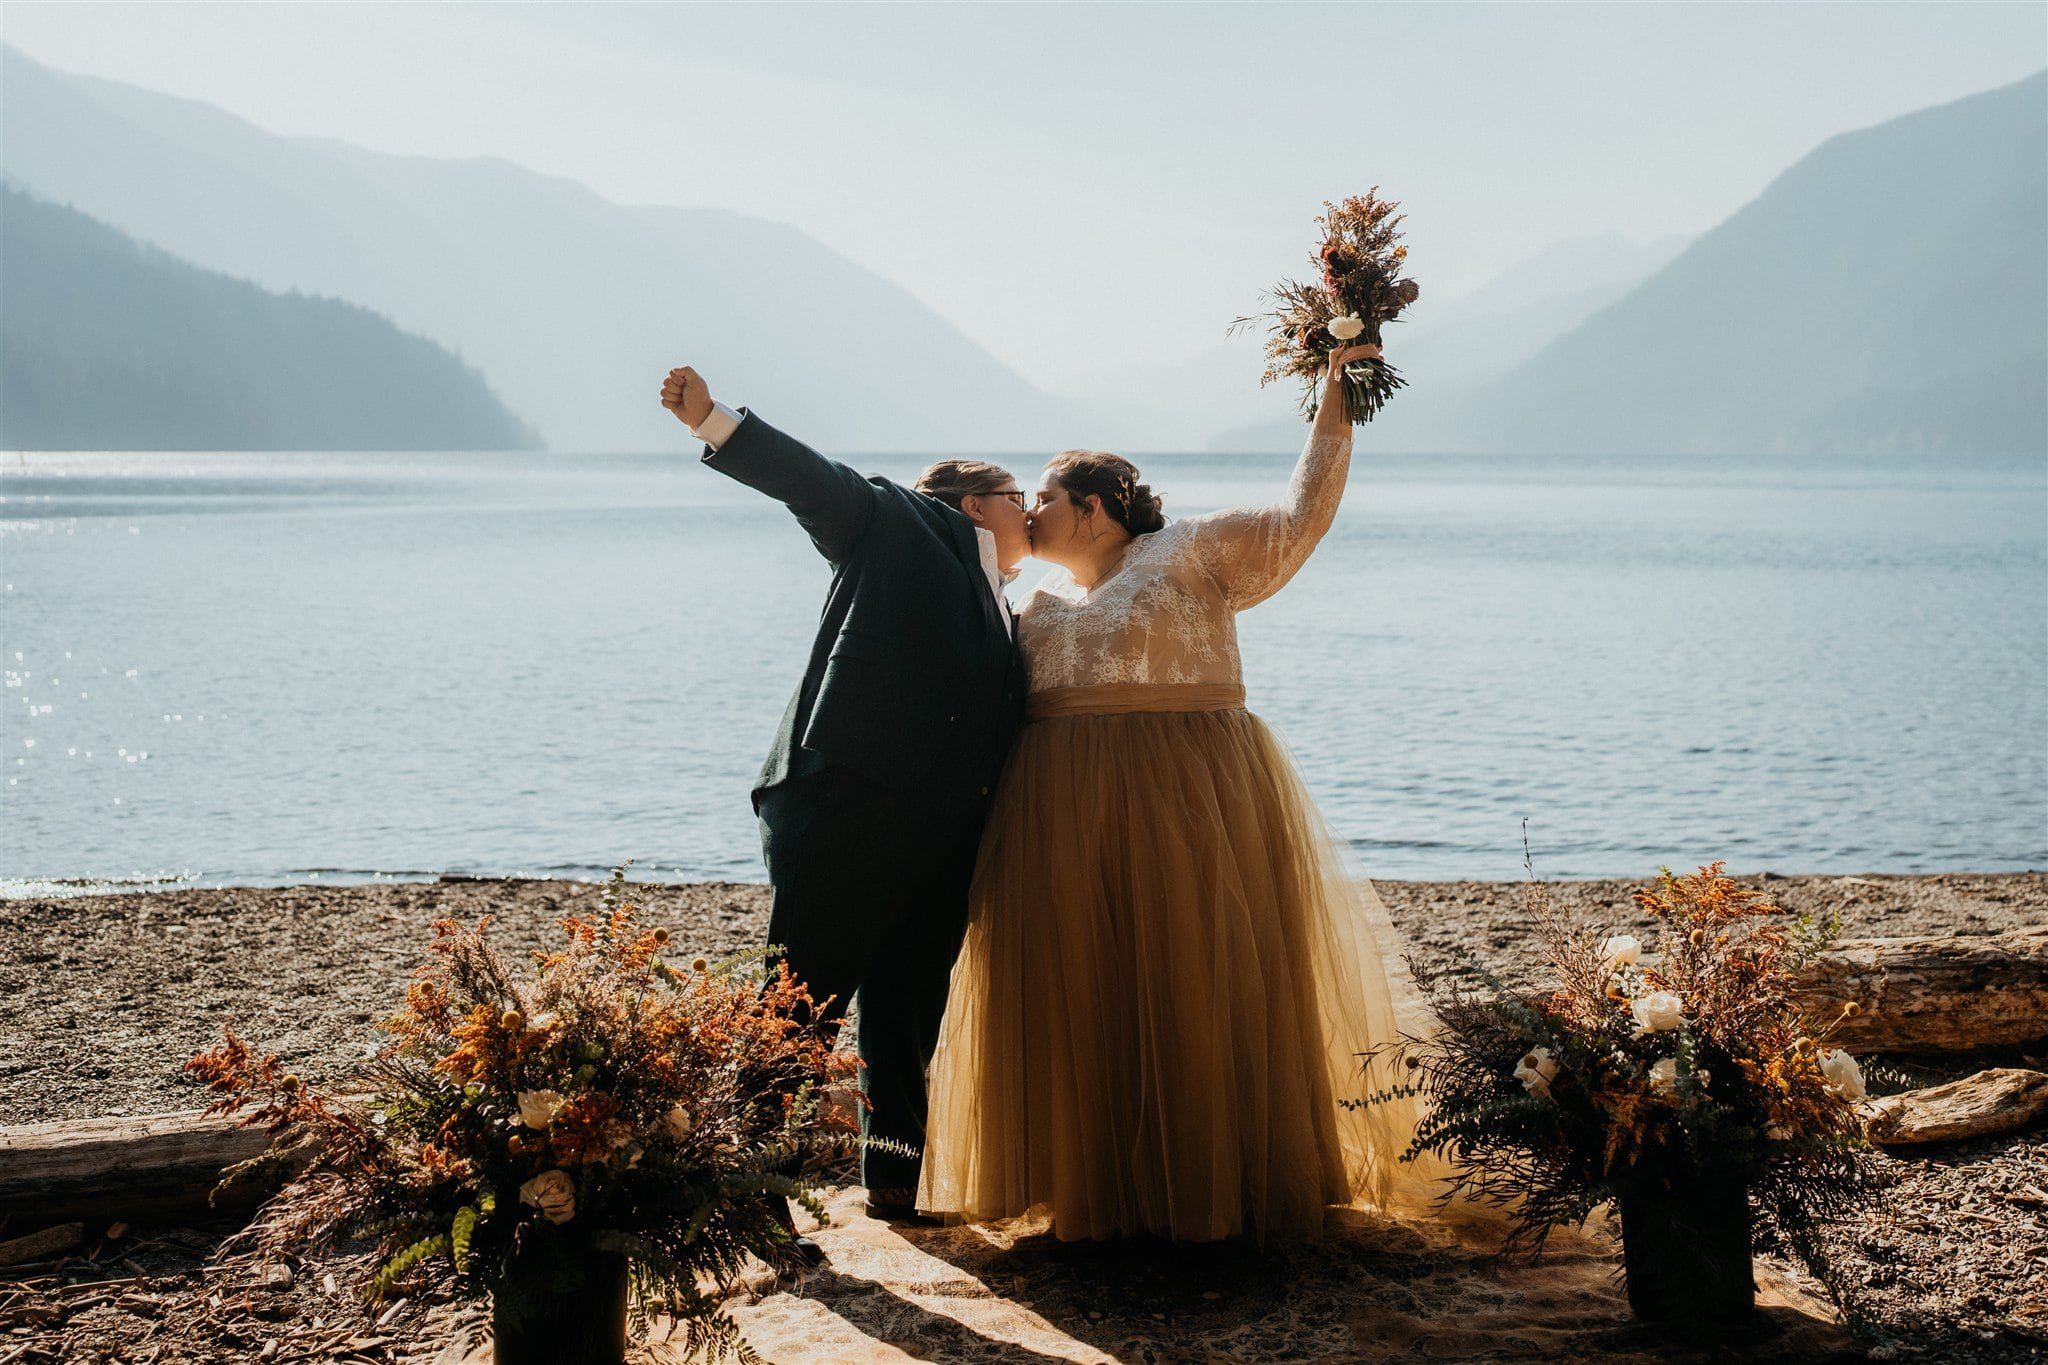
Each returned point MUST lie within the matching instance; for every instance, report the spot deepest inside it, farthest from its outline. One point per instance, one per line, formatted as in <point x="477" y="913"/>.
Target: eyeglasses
<point x="1013" y="494"/>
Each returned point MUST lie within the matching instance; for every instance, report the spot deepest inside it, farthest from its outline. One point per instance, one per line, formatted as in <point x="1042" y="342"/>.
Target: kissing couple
<point x="1108" y="958"/>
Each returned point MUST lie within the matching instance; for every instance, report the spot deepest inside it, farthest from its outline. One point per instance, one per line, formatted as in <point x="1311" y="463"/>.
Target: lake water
<point x="264" y="668"/>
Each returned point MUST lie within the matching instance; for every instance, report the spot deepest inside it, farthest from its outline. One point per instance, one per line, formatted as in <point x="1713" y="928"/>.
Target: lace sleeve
<point x="1253" y="551"/>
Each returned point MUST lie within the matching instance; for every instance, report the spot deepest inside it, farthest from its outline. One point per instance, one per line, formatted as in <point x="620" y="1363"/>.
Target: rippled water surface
<point x="272" y="667"/>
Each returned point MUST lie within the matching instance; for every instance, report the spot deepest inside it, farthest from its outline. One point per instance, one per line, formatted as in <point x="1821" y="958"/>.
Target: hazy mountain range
<point x="1886" y="292"/>
<point x="109" y="344"/>
<point x="573" y="307"/>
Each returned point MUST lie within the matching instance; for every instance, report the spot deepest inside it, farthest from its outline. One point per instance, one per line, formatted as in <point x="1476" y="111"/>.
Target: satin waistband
<point x="1123" y="699"/>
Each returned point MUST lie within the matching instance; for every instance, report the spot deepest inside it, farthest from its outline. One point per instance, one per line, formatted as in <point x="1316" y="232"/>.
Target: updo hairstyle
<point x="1130" y="504"/>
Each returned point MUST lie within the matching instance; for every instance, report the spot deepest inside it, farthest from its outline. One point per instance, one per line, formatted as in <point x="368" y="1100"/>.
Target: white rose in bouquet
<point x="537" y="1107"/>
<point x="1536" y="1071"/>
<point x="1664" y="1079"/>
<point x="1843" y="1076"/>
<point x="678" y="1122"/>
<point x="1347" y="327"/>
<point x="1657" y="1012"/>
<point x="553" y="1193"/>
<point x="1620" y="951"/>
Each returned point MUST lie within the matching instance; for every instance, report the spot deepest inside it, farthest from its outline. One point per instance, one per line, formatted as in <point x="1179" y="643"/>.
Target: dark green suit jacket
<point x="914" y="678"/>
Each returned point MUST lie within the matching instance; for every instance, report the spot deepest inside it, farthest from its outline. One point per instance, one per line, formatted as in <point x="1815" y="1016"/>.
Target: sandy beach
<point x="108" y="994"/>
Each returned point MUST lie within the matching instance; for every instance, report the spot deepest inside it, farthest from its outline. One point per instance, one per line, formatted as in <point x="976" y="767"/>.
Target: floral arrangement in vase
<point x="612" y="1126"/>
<point x="1681" y="1079"/>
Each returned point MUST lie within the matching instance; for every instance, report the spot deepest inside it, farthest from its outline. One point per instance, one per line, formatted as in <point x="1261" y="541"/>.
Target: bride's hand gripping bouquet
<point x="1360" y="291"/>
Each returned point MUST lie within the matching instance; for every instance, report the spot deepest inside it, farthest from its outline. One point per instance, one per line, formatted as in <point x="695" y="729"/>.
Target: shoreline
<point x="34" y="888"/>
<point x="122" y="986"/>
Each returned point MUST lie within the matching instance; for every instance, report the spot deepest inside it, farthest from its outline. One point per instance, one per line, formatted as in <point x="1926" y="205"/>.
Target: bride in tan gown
<point x="1169" y="971"/>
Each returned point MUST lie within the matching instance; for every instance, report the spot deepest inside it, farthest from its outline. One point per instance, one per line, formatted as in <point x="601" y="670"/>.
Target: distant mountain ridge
<point x="1886" y="293"/>
<point x="109" y="344"/>
<point x="572" y="306"/>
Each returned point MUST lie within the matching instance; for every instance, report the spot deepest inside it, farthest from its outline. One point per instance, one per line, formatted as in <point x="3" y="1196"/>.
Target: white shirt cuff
<point x="714" y="430"/>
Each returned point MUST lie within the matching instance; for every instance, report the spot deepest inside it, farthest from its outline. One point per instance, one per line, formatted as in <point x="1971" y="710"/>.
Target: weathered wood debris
<point x="1932" y="995"/>
<point x="1999" y="1100"/>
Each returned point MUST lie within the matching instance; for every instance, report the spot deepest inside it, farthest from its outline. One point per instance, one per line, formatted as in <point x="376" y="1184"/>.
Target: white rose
<point x="1536" y="1071"/>
<point x="1657" y="1012"/>
<point x="553" y="1193"/>
<point x="1345" y="328"/>
<point x="1620" y="951"/>
<point x="537" y="1107"/>
<point x="1844" y="1077"/>
<point x="678" y="1123"/>
<point x="1664" y="1079"/>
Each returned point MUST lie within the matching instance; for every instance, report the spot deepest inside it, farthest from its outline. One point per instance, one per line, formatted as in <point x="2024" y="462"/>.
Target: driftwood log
<point x="50" y="1241"/>
<point x="158" y="1167"/>
<point x="1932" y="995"/>
<point x="2001" y="1100"/>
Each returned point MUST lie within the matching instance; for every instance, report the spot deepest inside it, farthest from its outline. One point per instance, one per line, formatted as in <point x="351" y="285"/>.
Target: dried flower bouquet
<point x="1359" y="291"/>
<point x="1688" y="1061"/>
<point x="514" y="1133"/>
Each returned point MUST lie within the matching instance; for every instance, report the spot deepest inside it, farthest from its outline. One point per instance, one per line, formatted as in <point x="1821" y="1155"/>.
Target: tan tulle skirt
<point x="1168" y="980"/>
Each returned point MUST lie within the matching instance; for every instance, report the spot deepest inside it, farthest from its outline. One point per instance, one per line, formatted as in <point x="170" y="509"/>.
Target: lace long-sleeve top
<point x="1168" y="613"/>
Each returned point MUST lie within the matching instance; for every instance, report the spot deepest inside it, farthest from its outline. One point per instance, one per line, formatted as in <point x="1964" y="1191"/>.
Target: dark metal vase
<point x="580" y="1325"/>
<point x="1685" y="1242"/>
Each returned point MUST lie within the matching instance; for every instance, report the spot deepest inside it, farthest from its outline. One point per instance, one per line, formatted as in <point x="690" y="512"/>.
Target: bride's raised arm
<point x="1253" y="551"/>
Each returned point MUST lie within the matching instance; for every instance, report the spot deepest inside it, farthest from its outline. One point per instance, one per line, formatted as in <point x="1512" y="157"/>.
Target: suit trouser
<point x="871" y="902"/>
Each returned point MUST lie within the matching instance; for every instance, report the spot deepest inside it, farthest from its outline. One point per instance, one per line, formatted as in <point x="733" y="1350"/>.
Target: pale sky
<point x="1081" y="186"/>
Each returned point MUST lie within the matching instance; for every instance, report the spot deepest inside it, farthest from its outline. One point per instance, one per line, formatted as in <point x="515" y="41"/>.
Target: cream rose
<point x="1664" y="1079"/>
<point x="1536" y="1071"/>
<point x="678" y="1123"/>
<point x="1620" y="951"/>
<point x="1843" y="1076"/>
<point x="1347" y="327"/>
<point x="1657" y="1012"/>
<point x="537" y="1107"/>
<point x="553" y="1193"/>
